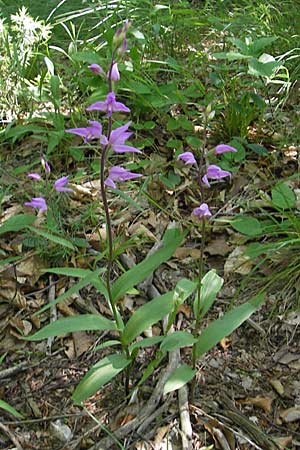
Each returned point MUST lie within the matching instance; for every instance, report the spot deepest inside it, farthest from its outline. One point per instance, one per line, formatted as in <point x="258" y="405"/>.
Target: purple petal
<point x="34" y="176"/>
<point x="120" y="134"/>
<point x="120" y="107"/>
<point x="37" y="202"/>
<point x="109" y="182"/>
<point x="97" y="106"/>
<point x="94" y="131"/>
<point x="216" y="172"/>
<point x="223" y="148"/>
<point x="202" y="211"/>
<point x="79" y="131"/>
<point x="59" y="185"/>
<point x="118" y="173"/>
<point x="205" y="181"/>
<point x="187" y="157"/>
<point x="125" y="149"/>
<point x="45" y="165"/>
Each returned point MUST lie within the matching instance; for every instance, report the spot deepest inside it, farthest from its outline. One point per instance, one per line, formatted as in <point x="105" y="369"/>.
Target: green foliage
<point x="179" y="377"/>
<point x="171" y="240"/>
<point x="156" y="309"/>
<point x="84" y="322"/>
<point x="224" y="326"/>
<point x="98" y="375"/>
<point x="211" y="284"/>
<point x="4" y="405"/>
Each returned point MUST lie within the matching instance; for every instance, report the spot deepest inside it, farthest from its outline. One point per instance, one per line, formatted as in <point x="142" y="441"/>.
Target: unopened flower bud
<point x="95" y="68"/>
<point x="114" y="74"/>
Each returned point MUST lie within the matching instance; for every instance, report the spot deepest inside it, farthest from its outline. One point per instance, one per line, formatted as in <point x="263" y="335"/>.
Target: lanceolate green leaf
<point x="224" y="326"/>
<point x="70" y="271"/>
<point x="153" y="311"/>
<point x="98" y="375"/>
<point x="10" y="409"/>
<point x="75" y="288"/>
<point x="17" y="223"/>
<point x="210" y="286"/>
<point x="176" y="340"/>
<point x="181" y="376"/>
<point x="171" y="240"/>
<point x="52" y="237"/>
<point x="148" y="314"/>
<point x="84" y="322"/>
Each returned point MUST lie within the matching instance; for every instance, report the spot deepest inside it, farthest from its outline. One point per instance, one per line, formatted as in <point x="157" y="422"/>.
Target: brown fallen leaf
<point x="264" y="403"/>
<point x="82" y="342"/>
<point x="283" y="442"/>
<point x="277" y="386"/>
<point x="290" y="414"/>
<point x="218" y="246"/>
<point x="225" y="343"/>
<point x="223" y="438"/>
<point x="186" y="252"/>
<point x="185" y="309"/>
<point x="238" y="262"/>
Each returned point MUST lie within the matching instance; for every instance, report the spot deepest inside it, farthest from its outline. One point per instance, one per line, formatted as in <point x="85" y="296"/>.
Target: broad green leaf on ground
<point x="210" y="286"/>
<point x="263" y="69"/>
<point x="98" y="375"/>
<point x="181" y="376"/>
<point x="10" y="409"/>
<point x="171" y="240"/>
<point x="176" y="340"/>
<point x="247" y="225"/>
<point x="52" y="237"/>
<point x="17" y="223"/>
<point x="83" y="322"/>
<point x="75" y="288"/>
<point x="282" y="196"/>
<point x="153" y="311"/>
<point x="224" y="326"/>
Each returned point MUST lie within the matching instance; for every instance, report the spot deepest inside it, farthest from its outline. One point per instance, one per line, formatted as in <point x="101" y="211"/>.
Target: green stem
<point x="201" y="257"/>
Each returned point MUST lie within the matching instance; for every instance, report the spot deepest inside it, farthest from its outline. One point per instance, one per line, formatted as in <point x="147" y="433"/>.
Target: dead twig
<point x="185" y="421"/>
<point x="11" y="436"/>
